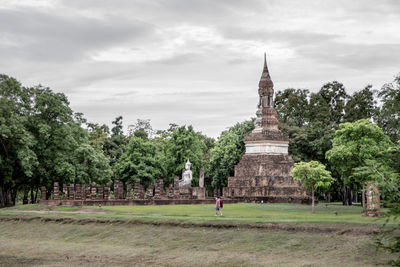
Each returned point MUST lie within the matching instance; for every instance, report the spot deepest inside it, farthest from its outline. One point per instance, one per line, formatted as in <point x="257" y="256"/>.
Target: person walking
<point x="221" y="205"/>
<point x="218" y="206"/>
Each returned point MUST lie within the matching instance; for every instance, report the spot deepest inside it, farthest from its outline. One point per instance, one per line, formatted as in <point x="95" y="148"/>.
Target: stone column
<point x="78" y="189"/>
<point x="71" y="192"/>
<point x="170" y="191"/>
<point x="94" y="191"/>
<point x="88" y="192"/>
<point x="107" y="192"/>
<point x="65" y="192"/>
<point x="139" y="191"/>
<point x="116" y="189"/>
<point x="373" y="201"/>
<point x="176" y="187"/>
<point x="83" y="191"/>
<point x="149" y="192"/>
<point x="100" y="192"/>
<point x="56" y="193"/>
<point x="121" y="190"/>
<point x="159" y="189"/>
<point x="43" y="190"/>
<point x="129" y="192"/>
<point x="201" y="178"/>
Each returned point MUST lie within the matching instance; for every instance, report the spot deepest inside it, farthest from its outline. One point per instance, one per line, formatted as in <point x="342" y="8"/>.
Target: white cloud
<point x="194" y="62"/>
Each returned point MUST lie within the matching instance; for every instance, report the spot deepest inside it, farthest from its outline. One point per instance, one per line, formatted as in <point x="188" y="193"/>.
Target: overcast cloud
<point x="194" y="62"/>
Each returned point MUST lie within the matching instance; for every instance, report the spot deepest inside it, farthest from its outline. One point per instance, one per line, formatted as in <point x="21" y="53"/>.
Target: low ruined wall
<point x="95" y="195"/>
<point x="78" y="203"/>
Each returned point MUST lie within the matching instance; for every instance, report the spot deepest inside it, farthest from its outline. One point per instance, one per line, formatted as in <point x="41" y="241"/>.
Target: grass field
<point x="91" y="236"/>
<point x="240" y="213"/>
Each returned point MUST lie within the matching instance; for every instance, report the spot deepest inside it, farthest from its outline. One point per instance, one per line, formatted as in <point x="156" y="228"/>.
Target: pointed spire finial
<point x="265" y="77"/>
<point x="265" y="63"/>
<point x="265" y="60"/>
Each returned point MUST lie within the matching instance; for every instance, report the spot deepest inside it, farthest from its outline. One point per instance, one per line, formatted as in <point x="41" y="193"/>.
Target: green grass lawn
<point x="189" y="235"/>
<point x="39" y="243"/>
<point x="240" y="213"/>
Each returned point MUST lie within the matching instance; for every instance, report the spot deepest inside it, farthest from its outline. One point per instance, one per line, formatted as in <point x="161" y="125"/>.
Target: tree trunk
<point x="25" y="199"/>
<point x="6" y="198"/>
<point x="36" y="193"/>
<point x="312" y="199"/>
<point x="2" y="197"/>
<point x="32" y="194"/>
<point x="363" y="199"/>
<point x="344" y="195"/>
<point x="13" y="195"/>
<point x="350" y="196"/>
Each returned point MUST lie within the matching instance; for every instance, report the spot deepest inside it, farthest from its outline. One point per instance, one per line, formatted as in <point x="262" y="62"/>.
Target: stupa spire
<point x="265" y="63"/>
<point x="265" y="81"/>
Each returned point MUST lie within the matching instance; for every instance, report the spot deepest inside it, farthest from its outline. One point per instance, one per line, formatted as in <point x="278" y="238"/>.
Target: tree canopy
<point x="314" y="177"/>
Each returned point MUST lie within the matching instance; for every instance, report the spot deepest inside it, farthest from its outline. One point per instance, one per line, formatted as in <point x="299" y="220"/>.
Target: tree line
<point x="43" y="141"/>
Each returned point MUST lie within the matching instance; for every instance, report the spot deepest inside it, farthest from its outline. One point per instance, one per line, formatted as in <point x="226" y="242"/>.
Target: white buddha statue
<point x="186" y="176"/>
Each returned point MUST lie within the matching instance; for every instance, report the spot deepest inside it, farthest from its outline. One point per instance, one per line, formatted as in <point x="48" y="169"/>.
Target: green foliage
<point x="354" y="144"/>
<point x="335" y="96"/>
<point x="182" y="144"/>
<point x="291" y="105"/>
<point x="115" y="145"/>
<point x="388" y="117"/>
<point x="311" y="119"/>
<point x="361" y="105"/>
<point x="227" y="152"/>
<point x="142" y="128"/>
<point x="313" y="175"/>
<point x="17" y="158"/>
<point x="91" y="165"/>
<point x="140" y="163"/>
<point x="41" y="142"/>
<point x="98" y="135"/>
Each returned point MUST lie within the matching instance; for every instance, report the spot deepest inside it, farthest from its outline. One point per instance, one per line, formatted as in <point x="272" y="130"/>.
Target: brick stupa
<point x="263" y="173"/>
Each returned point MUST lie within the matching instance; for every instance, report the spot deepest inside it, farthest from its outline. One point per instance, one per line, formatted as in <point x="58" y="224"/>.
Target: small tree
<point x="314" y="177"/>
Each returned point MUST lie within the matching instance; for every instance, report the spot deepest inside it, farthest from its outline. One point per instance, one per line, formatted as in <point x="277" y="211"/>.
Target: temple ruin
<point x="263" y="173"/>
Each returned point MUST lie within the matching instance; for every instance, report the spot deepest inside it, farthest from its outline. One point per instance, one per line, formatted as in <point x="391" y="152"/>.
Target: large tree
<point x="354" y="144"/>
<point x="17" y="158"/>
<point x="43" y="142"/>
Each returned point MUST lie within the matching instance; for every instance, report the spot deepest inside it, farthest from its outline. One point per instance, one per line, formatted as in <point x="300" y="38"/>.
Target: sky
<point x="194" y="62"/>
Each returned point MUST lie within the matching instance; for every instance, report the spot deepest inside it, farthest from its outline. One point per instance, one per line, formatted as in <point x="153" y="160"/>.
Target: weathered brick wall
<point x="268" y="175"/>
